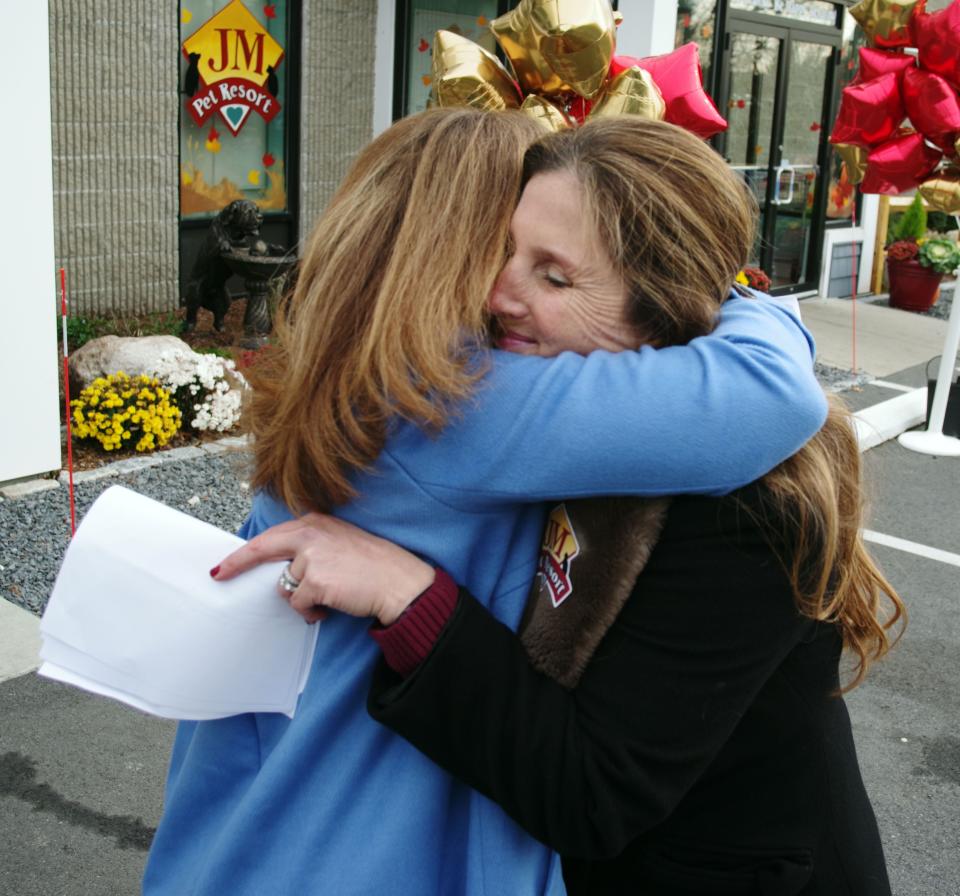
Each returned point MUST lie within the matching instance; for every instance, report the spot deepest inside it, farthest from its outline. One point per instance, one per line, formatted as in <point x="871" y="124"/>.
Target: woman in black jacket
<point x="670" y="718"/>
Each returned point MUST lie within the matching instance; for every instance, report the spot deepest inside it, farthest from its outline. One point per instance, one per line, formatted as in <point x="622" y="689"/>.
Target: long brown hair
<point x="679" y="225"/>
<point x="393" y="284"/>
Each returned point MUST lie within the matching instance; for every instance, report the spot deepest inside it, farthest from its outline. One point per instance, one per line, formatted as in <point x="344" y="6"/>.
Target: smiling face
<point x="558" y="291"/>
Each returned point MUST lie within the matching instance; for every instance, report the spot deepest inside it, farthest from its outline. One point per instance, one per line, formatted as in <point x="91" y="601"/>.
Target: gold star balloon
<point x="943" y="193"/>
<point x="558" y="46"/>
<point x="855" y="158"/>
<point x="544" y="113"/>
<point x="514" y="33"/>
<point x="886" y="23"/>
<point x="465" y="74"/>
<point x="632" y="92"/>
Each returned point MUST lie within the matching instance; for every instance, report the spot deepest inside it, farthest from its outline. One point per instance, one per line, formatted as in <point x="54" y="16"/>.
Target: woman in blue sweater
<point x="380" y="405"/>
<point x="669" y="718"/>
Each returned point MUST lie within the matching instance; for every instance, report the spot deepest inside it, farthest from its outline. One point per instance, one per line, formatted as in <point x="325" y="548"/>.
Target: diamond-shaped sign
<point x="235" y="60"/>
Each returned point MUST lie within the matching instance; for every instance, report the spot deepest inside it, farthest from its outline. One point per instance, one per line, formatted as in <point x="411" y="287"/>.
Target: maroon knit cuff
<point x="408" y="641"/>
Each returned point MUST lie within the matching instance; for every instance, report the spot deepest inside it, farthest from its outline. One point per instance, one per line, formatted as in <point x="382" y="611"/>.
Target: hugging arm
<point x="588" y="770"/>
<point x="707" y="417"/>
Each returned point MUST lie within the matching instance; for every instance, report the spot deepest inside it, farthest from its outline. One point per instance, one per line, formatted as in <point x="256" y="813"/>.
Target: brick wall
<point x="337" y="96"/>
<point x="114" y="102"/>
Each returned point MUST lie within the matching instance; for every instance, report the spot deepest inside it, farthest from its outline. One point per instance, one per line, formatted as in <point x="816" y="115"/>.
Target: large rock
<point x="131" y="354"/>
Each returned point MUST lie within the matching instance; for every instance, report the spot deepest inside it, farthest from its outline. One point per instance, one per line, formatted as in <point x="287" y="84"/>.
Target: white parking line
<point x="886" y="384"/>
<point x="911" y="547"/>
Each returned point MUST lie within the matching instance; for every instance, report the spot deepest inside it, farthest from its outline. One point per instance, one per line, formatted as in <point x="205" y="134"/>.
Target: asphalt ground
<point x="81" y="777"/>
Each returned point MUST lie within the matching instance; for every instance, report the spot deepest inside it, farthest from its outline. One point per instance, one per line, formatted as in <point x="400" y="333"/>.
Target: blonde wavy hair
<point x="679" y="224"/>
<point x="392" y="286"/>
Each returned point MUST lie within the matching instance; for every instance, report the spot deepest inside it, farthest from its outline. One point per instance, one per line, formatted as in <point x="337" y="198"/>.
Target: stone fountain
<point x="233" y="245"/>
<point x="261" y="266"/>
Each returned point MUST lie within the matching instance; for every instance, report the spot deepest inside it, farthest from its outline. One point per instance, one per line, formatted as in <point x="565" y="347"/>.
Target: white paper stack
<point x="134" y="615"/>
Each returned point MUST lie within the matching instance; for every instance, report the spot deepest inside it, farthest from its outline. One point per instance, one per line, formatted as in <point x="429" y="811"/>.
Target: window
<point x="696" y="21"/>
<point x="469" y="18"/>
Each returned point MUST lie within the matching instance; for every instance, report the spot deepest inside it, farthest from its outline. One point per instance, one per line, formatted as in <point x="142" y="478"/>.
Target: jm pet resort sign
<point x="232" y="68"/>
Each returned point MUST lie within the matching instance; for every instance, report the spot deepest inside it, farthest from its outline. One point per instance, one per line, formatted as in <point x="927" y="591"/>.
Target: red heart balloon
<point x="899" y="164"/>
<point x="931" y="103"/>
<point x="869" y="112"/>
<point x="680" y="79"/>
<point x="937" y="37"/>
<point x="874" y="63"/>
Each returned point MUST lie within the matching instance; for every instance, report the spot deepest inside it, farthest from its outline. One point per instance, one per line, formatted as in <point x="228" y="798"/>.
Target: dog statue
<point x="236" y="226"/>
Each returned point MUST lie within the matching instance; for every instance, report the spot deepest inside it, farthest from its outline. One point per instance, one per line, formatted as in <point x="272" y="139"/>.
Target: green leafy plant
<point x="940" y="255"/>
<point x="215" y="350"/>
<point x="941" y="222"/>
<point x="912" y="224"/>
<point x="80" y="329"/>
<point x="120" y="411"/>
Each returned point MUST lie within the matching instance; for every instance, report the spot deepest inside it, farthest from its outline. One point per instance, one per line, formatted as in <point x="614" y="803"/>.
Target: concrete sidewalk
<point x="887" y="340"/>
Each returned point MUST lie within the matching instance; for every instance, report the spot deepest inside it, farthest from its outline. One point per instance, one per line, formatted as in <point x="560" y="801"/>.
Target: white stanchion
<point x="933" y="441"/>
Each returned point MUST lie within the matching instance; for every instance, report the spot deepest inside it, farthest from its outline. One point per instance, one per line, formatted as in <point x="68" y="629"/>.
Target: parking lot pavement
<point x="905" y="715"/>
<point x="81" y="781"/>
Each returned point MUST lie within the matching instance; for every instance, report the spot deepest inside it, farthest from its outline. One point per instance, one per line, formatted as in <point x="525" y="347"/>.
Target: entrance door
<point x="776" y="83"/>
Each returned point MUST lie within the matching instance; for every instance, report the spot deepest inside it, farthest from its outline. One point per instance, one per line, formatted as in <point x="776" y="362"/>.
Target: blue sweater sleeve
<point x="706" y="418"/>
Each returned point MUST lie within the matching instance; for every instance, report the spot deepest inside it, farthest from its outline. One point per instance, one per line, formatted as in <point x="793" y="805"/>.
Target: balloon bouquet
<point x="891" y="85"/>
<point x="564" y="70"/>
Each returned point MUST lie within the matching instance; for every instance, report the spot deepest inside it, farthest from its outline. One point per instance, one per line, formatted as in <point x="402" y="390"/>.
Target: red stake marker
<point x="66" y="394"/>
<point x="853" y="295"/>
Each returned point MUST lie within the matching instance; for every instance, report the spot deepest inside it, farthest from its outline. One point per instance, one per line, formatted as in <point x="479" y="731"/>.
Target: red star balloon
<point x="874" y="63"/>
<point x="946" y="144"/>
<point x="899" y="164"/>
<point x="937" y="38"/>
<point x="870" y="112"/>
<point x="931" y="103"/>
<point x="680" y="79"/>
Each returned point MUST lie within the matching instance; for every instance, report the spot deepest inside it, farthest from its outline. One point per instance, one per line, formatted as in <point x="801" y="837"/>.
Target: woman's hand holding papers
<point x="338" y="567"/>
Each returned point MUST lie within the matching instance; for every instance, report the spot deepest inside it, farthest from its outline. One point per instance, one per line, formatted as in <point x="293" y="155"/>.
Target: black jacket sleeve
<point x="588" y="770"/>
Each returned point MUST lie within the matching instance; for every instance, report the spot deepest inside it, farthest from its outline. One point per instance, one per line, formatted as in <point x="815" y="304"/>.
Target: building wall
<point x="113" y="68"/>
<point x="339" y="46"/>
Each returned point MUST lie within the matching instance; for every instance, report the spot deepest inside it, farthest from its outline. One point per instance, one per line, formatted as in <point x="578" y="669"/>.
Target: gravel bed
<point x="839" y="379"/>
<point x="34" y="529"/>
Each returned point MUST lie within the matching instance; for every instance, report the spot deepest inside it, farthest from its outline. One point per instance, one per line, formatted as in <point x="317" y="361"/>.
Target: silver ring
<point x="286" y="581"/>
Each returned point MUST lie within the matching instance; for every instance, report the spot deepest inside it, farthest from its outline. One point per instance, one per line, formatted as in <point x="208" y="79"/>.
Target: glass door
<point x="776" y="82"/>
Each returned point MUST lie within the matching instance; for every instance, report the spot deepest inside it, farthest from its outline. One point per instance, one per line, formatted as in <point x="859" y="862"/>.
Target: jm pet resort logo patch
<point x="560" y="547"/>
<point x="233" y="63"/>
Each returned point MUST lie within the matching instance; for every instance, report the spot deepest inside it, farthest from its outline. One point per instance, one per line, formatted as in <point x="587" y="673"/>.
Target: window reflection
<point x="696" y="21"/>
<point x="468" y="18"/>
<point x="818" y="11"/>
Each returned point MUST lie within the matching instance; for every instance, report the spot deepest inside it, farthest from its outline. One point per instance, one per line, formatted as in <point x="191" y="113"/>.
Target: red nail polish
<point x="214" y="571"/>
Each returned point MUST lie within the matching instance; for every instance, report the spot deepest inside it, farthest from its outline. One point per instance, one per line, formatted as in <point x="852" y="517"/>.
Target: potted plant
<point x="755" y="278"/>
<point x="914" y="274"/>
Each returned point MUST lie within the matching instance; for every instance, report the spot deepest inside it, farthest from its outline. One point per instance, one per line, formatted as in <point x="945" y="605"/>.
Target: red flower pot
<point x="912" y="286"/>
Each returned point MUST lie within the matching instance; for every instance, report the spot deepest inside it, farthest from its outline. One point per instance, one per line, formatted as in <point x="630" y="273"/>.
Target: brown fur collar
<point x="593" y="550"/>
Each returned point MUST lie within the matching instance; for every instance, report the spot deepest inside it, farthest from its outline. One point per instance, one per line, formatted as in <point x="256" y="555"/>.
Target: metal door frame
<point x="786" y="31"/>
